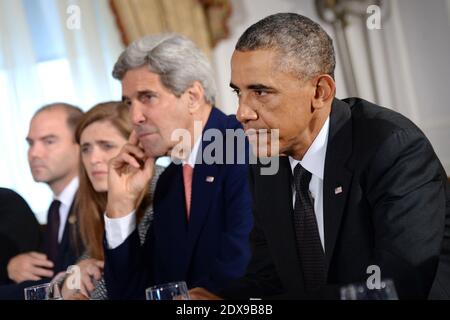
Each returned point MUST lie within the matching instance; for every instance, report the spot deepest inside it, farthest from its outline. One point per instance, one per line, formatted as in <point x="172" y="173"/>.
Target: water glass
<point x="46" y="291"/>
<point x="168" y="291"/>
<point x="360" y="291"/>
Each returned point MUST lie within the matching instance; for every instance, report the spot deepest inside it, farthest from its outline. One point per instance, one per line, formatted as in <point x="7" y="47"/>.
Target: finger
<point x="30" y="276"/>
<point x="41" y="272"/>
<point x="122" y="160"/>
<point x="38" y="255"/>
<point x="42" y="263"/>
<point x="59" y="276"/>
<point x="87" y="283"/>
<point x="83" y="291"/>
<point x="125" y="159"/>
<point x="133" y="139"/>
<point x="130" y="150"/>
<point x="96" y="273"/>
<point x="100" y="264"/>
<point x="134" y="150"/>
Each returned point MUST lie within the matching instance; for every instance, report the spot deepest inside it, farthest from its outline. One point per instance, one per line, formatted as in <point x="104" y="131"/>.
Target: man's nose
<point x="137" y="115"/>
<point x="35" y="151"/>
<point x="245" y="112"/>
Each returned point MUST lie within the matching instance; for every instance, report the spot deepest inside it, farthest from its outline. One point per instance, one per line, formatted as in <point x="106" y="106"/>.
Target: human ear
<point x="196" y="97"/>
<point x="325" y="91"/>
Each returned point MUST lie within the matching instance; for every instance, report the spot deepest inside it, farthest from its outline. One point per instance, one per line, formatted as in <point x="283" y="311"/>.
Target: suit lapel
<point x="275" y="193"/>
<point x="67" y="247"/>
<point x="337" y="177"/>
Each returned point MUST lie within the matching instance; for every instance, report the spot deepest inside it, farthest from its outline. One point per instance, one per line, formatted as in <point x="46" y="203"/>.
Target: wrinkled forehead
<point x="140" y="78"/>
<point x="250" y="67"/>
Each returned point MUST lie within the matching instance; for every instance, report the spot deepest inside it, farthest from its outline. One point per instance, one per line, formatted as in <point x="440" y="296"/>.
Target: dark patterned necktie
<point x="312" y="257"/>
<point x="53" y="230"/>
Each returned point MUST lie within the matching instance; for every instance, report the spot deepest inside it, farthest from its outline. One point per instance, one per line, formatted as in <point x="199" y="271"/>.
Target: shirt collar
<point x="67" y="195"/>
<point x="314" y="159"/>
<point x="193" y="156"/>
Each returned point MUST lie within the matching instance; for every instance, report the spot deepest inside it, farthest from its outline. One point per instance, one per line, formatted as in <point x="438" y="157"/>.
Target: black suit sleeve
<point x="405" y="189"/>
<point x="127" y="268"/>
<point x="261" y="277"/>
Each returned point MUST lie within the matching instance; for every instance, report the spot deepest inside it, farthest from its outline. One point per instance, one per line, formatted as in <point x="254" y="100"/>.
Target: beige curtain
<point x="204" y="21"/>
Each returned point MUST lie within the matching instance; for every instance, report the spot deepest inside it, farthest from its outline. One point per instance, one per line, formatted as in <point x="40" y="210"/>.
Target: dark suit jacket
<point x="209" y="250"/>
<point x="441" y="286"/>
<point x="69" y="251"/>
<point x="19" y="229"/>
<point x="390" y="214"/>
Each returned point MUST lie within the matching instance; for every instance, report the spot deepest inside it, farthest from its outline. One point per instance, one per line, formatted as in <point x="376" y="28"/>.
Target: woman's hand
<point x="89" y="269"/>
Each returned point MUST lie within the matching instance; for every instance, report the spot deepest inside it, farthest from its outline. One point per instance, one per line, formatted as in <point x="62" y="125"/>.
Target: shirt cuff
<point x="118" y="229"/>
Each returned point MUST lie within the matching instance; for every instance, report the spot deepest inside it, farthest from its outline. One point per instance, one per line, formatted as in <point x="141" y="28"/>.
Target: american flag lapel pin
<point x="209" y="179"/>
<point x="338" y="190"/>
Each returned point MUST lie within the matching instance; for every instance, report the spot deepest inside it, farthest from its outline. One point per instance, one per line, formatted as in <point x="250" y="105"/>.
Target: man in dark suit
<point x="53" y="157"/>
<point x="19" y="229"/>
<point x="359" y="195"/>
<point x="202" y="208"/>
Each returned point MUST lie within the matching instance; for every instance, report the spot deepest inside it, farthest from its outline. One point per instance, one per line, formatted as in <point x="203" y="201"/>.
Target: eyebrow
<point x="98" y="142"/>
<point x="259" y="87"/>
<point x="233" y="86"/>
<point x="42" y="138"/>
<point x="140" y="93"/>
<point x="252" y="87"/>
<point x="48" y="136"/>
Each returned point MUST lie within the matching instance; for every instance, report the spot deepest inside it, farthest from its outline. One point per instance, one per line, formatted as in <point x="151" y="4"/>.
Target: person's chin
<point x="154" y="152"/>
<point x="263" y="152"/>
<point x="100" y="187"/>
<point x="40" y="177"/>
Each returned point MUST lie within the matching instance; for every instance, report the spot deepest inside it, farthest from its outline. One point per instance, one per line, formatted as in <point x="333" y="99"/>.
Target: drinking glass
<point x="360" y="291"/>
<point x="46" y="291"/>
<point x="168" y="291"/>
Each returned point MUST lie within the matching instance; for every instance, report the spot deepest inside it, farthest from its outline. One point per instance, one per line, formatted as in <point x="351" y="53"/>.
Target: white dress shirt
<point x="119" y="229"/>
<point x="314" y="162"/>
<point x="66" y="198"/>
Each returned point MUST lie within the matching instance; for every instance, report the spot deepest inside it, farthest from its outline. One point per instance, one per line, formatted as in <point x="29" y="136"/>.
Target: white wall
<point x="411" y="54"/>
<point x="426" y="29"/>
<point x="245" y="13"/>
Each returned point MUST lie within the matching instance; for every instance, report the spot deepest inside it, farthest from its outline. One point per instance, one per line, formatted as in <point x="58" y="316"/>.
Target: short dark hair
<point x="74" y="113"/>
<point x="304" y="47"/>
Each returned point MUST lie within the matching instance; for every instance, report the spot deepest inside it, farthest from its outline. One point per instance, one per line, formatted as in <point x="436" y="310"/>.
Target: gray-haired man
<point x="202" y="214"/>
